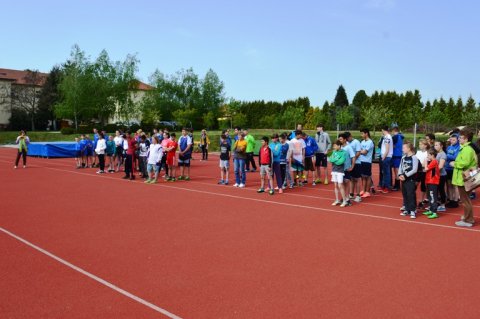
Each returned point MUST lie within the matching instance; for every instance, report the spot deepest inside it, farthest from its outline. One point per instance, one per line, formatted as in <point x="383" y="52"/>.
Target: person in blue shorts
<point x="367" y="148"/>
<point x="83" y="151"/>
<point x="89" y="151"/>
<point x="185" y="144"/>
<point x="397" y="141"/>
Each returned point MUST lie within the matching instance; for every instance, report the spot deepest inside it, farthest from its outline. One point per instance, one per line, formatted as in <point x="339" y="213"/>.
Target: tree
<point x="345" y="118"/>
<point x="49" y="97"/>
<point x="375" y="117"/>
<point x="209" y="120"/>
<point x="25" y="97"/>
<point x="359" y="98"/>
<point x="341" y="99"/>
<point x="472" y="118"/>
<point x="239" y="120"/>
<point x="213" y="96"/>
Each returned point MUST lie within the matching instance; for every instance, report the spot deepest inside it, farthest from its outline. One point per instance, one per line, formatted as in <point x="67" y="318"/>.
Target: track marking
<point x="267" y="201"/>
<point x="92" y="276"/>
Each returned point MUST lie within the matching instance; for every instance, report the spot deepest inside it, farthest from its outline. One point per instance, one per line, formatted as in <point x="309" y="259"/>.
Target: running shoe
<point x="336" y="203"/>
<point x="433" y="216"/>
<point x="261" y="190"/>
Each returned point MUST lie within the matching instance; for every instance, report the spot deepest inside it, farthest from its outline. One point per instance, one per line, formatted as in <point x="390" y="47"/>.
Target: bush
<point x="111" y="128"/>
<point x="67" y="130"/>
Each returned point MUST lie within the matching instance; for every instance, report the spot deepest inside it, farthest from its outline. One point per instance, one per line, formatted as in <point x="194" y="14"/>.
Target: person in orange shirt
<point x="171" y="148"/>
<point x="432" y="180"/>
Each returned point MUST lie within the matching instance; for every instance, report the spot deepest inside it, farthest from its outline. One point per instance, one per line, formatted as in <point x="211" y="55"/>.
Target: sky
<point x="271" y="50"/>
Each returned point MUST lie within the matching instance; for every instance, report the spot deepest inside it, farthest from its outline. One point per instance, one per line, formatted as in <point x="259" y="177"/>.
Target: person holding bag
<point x="465" y="161"/>
<point x="22" y="141"/>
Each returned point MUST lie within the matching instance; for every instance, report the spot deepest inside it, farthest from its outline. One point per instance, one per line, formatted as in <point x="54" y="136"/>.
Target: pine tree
<point x="341" y="99"/>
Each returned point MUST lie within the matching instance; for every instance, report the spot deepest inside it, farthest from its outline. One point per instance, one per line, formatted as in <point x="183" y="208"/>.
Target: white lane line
<point x="92" y="276"/>
<point x="170" y="186"/>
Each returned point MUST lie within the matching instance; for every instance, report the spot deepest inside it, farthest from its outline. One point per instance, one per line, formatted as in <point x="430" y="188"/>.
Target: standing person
<point x="422" y="152"/>
<point x="131" y="145"/>
<point x="452" y="152"/>
<point x="90" y="151"/>
<point x="118" y="139"/>
<point x="357" y="169"/>
<point x="83" y="151"/>
<point x="324" y="144"/>
<point x="432" y="180"/>
<point x="465" y="161"/>
<point x="95" y="141"/>
<point x="204" y="144"/>
<point x="349" y="165"/>
<point x="430" y="138"/>
<point x="22" y="141"/>
<point x="338" y="159"/>
<point x="397" y="142"/>
<point x="171" y="149"/>
<point x="185" y="143"/>
<point x="386" y="154"/>
<point x="442" y="160"/>
<point x="190" y="134"/>
<point x="265" y="161"/>
<point x="276" y="148"/>
<point x="297" y="147"/>
<point x="293" y="134"/>
<point x="239" y="158"/>
<point x="250" y="149"/>
<point x="284" y="162"/>
<point x="100" y="152"/>
<point x="143" y="148"/>
<point x="407" y="175"/>
<point x="164" y="144"/>
<point x="110" y="151"/>
<point x="155" y="154"/>
<point x="367" y="148"/>
<point x="78" y="153"/>
<point x="311" y="148"/>
<point x="225" y="148"/>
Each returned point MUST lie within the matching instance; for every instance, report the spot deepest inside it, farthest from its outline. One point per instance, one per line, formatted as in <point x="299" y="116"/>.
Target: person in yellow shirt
<point x="239" y="157"/>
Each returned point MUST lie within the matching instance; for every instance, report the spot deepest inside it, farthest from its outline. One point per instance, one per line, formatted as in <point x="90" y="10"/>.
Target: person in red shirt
<point x="432" y="180"/>
<point x="171" y="149"/>
<point x="130" y="152"/>
<point x="265" y="160"/>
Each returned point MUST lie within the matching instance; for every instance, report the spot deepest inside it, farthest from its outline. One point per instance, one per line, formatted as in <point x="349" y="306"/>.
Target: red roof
<point x="144" y="87"/>
<point x="18" y="77"/>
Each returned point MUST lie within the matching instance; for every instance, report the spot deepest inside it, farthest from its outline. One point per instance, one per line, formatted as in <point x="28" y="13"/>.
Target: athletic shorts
<point x="119" y="151"/>
<point x="357" y="171"/>
<point x="265" y="170"/>
<point x="309" y="164"/>
<point x="153" y="168"/>
<point x="78" y="154"/>
<point x="321" y="160"/>
<point x="337" y="177"/>
<point x="396" y="161"/>
<point x="89" y="152"/>
<point x="366" y="169"/>
<point x="348" y="175"/>
<point x="184" y="161"/>
<point x="449" y="175"/>
<point x="170" y="161"/>
<point x="224" y="164"/>
<point x="297" y="166"/>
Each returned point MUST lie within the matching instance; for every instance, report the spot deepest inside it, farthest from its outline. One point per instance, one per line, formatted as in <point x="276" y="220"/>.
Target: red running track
<point x="199" y="250"/>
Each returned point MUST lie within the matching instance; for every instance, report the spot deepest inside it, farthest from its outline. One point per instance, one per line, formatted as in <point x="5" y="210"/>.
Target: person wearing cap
<point x="452" y="152"/>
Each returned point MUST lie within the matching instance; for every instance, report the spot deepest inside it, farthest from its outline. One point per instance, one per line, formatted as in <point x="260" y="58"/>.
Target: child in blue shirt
<point x="276" y="148"/>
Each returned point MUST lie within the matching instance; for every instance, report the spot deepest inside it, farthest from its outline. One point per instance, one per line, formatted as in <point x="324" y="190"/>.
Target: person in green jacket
<point x="465" y="160"/>
<point x="338" y="159"/>
<point x="250" y="148"/>
<point x="22" y="141"/>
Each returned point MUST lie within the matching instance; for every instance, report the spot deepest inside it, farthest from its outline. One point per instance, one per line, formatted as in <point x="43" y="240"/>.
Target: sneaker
<point x="25" y="166"/>
<point x="385" y="190"/>
<point x="441" y="208"/>
<point x="463" y="224"/>
<point x="427" y="213"/>
<point x="291" y="186"/>
<point x="433" y="216"/>
<point x="221" y="182"/>
<point x="314" y="183"/>
<point x="261" y="190"/>
<point x="236" y="185"/>
<point x="404" y="213"/>
<point x="186" y="178"/>
<point x="358" y="199"/>
<point x="472" y="195"/>
<point x="271" y="192"/>
<point x="126" y="177"/>
<point x="351" y="196"/>
<point x="180" y="178"/>
<point x="402" y="208"/>
<point x="372" y="190"/>
<point x="280" y="191"/>
<point x="395" y="189"/>
<point x="325" y="182"/>
<point x="132" y="178"/>
<point x="318" y="181"/>
<point x="361" y="193"/>
<point x="226" y="183"/>
<point x="148" y="181"/>
<point x="336" y="203"/>
<point x="100" y="172"/>
<point x="172" y="179"/>
<point x="153" y="181"/>
<point x="15" y="167"/>
<point x="452" y="204"/>
<point x="344" y="204"/>
<point x="241" y="186"/>
<point x="366" y="195"/>
<point x="413" y="215"/>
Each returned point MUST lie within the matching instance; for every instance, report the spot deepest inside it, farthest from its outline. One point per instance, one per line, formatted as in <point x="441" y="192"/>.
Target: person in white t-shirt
<point x="386" y="153"/>
<point x="118" y="156"/>
<point x="154" y="160"/>
<point x="297" y="147"/>
<point x="100" y="151"/>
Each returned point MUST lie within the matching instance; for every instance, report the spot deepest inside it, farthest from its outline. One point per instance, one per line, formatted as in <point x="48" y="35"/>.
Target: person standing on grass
<point x="407" y="174"/>
<point x="366" y="150"/>
<point x="297" y="146"/>
<point x="386" y="155"/>
<point x="285" y="163"/>
<point x="311" y="148"/>
<point x="110" y="151"/>
<point x="397" y="142"/>
<point x="130" y="156"/>
<point x="100" y="152"/>
<point x="204" y="144"/>
<point x="452" y="152"/>
<point x="465" y="161"/>
<point x="155" y="154"/>
<point x="441" y="159"/>
<point x="265" y="161"/>
<point x="276" y="148"/>
<point x="356" y="173"/>
<point x="432" y="180"/>
<point x="249" y="151"/>
<point x="185" y="144"/>
<point x="324" y="144"/>
<point x="118" y="158"/>
<point x="338" y="159"/>
<point x="171" y="149"/>
<point x="225" y="148"/>
<point x="422" y="152"/>
<point x="22" y="141"/>
<point x="239" y="158"/>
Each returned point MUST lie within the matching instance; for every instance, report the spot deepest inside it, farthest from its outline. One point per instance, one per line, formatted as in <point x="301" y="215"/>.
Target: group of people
<point x="288" y="160"/>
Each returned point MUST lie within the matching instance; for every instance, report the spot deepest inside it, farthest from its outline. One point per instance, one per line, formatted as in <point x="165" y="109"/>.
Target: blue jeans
<point x="239" y="167"/>
<point x="387" y="173"/>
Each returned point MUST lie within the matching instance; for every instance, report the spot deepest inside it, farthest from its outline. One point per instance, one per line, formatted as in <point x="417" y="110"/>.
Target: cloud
<point x="381" y="4"/>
